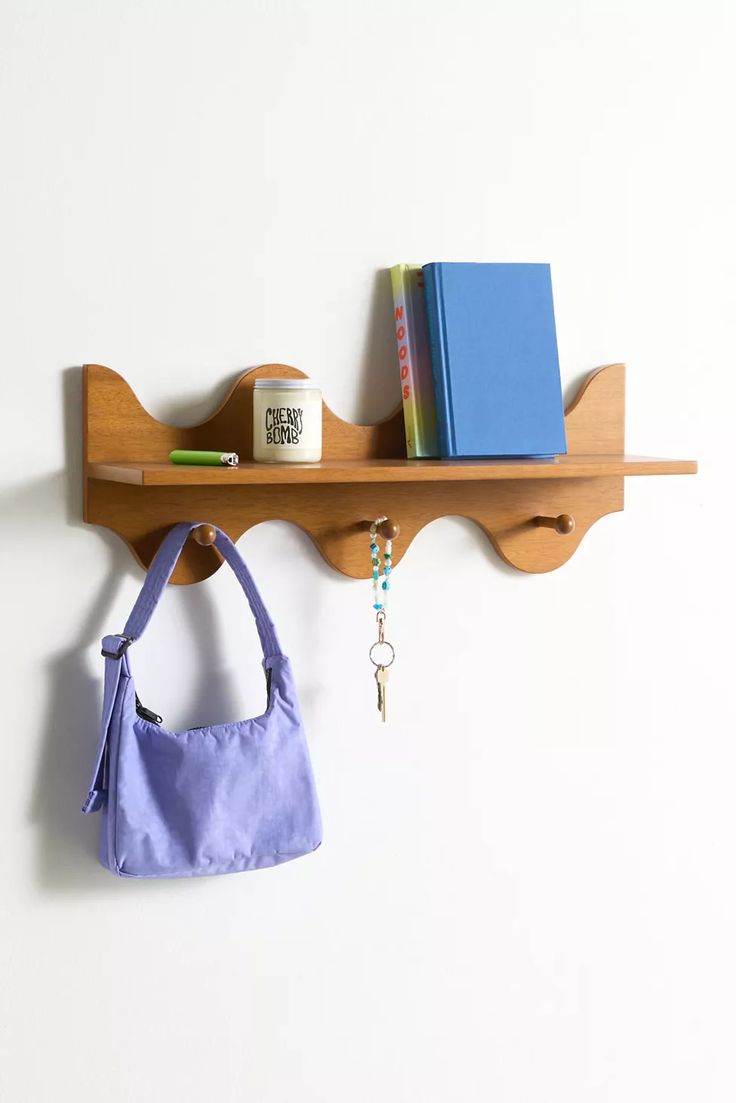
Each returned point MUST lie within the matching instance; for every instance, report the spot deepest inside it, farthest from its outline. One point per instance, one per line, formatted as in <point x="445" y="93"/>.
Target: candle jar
<point x="287" y="421"/>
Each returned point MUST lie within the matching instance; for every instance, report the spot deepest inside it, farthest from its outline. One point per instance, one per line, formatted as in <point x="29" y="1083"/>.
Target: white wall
<point x="526" y="889"/>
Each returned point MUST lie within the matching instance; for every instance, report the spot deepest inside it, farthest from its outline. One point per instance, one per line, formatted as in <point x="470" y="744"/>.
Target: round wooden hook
<point x="387" y="530"/>
<point x="205" y="535"/>
<point x="563" y="524"/>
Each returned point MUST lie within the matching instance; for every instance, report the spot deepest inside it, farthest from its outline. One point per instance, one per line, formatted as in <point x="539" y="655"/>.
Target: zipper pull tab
<point x="145" y="713"/>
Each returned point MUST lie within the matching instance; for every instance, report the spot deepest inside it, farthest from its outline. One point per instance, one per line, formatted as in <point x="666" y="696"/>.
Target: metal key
<point x="381" y="680"/>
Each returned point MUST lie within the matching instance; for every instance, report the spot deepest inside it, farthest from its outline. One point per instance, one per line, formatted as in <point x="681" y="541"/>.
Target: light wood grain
<point x="595" y="419"/>
<point x="132" y="489"/>
<point x="378" y="471"/>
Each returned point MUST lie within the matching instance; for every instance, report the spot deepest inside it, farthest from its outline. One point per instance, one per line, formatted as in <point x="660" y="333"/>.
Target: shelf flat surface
<point x="381" y="471"/>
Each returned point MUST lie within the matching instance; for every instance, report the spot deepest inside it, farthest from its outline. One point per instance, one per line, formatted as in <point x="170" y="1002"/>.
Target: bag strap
<point x="113" y="670"/>
<point x="160" y="572"/>
<point x="115" y="646"/>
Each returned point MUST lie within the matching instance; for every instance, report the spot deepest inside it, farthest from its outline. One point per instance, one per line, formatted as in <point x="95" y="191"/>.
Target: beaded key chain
<point x="381" y="587"/>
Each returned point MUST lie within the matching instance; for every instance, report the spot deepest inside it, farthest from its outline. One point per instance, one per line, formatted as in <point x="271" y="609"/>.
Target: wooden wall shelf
<point x="381" y="471"/>
<point x="131" y="488"/>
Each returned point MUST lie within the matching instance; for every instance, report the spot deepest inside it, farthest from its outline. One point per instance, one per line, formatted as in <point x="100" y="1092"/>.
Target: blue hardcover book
<point x="494" y="359"/>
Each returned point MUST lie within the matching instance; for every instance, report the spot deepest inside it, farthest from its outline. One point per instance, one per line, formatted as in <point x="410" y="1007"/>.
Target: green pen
<point x="206" y="459"/>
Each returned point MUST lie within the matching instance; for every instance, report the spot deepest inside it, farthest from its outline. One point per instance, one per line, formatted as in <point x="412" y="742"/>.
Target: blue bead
<point x="385" y="585"/>
<point x="374" y="547"/>
<point x="375" y="575"/>
<point x="387" y="570"/>
<point x="378" y="606"/>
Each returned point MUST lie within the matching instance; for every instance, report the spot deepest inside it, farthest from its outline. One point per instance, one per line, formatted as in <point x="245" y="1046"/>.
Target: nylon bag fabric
<point x="219" y="799"/>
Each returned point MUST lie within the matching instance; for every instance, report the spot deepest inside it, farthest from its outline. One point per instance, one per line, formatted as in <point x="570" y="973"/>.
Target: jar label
<point x="283" y="424"/>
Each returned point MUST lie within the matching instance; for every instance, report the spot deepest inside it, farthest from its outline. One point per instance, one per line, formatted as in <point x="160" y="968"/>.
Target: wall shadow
<point x="378" y="384"/>
<point x="67" y="841"/>
<point x="211" y="698"/>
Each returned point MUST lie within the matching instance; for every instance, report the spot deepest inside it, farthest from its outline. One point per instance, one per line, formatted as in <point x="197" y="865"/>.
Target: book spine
<point x="425" y="411"/>
<point x="403" y="329"/>
<point x="438" y="352"/>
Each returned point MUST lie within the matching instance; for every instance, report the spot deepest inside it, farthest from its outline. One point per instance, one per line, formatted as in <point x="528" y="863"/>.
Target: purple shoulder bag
<point x="217" y="799"/>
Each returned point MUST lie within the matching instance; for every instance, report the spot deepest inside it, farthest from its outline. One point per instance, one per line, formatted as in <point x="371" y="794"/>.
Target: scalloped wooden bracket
<point x="132" y="489"/>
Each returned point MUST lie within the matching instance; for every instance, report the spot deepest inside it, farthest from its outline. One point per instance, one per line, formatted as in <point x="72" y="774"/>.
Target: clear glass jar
<point x="287" y="421"/>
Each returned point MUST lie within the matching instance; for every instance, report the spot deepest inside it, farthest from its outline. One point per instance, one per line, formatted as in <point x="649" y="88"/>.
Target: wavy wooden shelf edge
<point x="119" y="430"/>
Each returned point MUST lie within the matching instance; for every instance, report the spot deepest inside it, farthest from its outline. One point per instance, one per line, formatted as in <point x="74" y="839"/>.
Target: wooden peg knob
<point x="564" y="524"/>
<point x="387" y="530"/>
<point x="205" y="535"/>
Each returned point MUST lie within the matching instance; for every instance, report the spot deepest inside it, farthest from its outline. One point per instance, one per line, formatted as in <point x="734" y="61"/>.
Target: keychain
<point x="381" y="648"/>
<point x="381" y="664"/>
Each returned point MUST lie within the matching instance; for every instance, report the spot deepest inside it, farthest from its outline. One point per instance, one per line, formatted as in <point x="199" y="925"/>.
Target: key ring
<point x="382" y="643"/>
